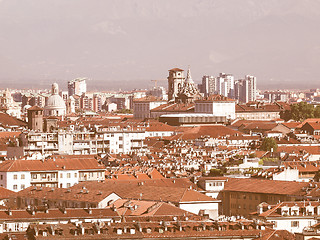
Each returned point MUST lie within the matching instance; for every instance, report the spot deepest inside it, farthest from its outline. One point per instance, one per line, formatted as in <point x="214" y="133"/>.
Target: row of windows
<point x="216" y="184"/>
<point x="244" y="206"/>
<point x="22" y="186"/>
<point x="243" y="196"/>
<point x="15" y="176"/>
<point x="50" y="176"/>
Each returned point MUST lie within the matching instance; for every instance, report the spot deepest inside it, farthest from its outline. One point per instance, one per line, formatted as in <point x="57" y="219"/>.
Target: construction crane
<point x="156" y="82"/>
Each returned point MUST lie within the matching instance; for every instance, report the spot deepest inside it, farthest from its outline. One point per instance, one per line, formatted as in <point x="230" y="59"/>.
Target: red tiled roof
<point x="149" y="99"/>
<point x="5" y="193"/>
<point x="216" y="98"/>
<point x="49" y="164"/>
<point x="9" y="134"/>
<point x="144" y="191"/>
<point x="7" y="120"/>
<point x="160" y="127"/>
<point x="174" y="107"/>
<point x="35" y="108"/>
<point x="314" y="125"/>
<point x="309" y="120"/>
<point x="265" y="186"/>
<point x="299" y="149"/>
<point x="260" y="126"/>
<point x="58" y="214"/>
<point x="291" y="125"/>
<point x="256" y="107"/>
<point x="214" y="131"/>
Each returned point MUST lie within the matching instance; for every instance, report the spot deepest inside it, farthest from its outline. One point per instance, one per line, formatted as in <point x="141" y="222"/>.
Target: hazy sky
<point x="126" y="43"/>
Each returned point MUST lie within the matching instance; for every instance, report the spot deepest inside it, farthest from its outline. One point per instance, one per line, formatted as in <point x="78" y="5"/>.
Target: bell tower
<point x="35" y="118"/>
<point x="175" y="82"/>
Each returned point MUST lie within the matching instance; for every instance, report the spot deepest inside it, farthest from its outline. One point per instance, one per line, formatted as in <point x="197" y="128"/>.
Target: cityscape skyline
<point x="159" y="119"/>
<point x="274" y="41"/>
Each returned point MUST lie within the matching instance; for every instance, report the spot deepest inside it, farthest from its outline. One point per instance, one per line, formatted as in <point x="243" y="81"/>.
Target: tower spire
<point x="189" y="78"/>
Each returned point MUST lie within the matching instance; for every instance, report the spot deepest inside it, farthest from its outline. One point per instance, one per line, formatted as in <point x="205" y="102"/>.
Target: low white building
<point x="17" y="175"/>
<point x="292" y="216"/>
<point x="212" y="185"/>
<point x="288" y="174"/>
<point x="217" y="105"/>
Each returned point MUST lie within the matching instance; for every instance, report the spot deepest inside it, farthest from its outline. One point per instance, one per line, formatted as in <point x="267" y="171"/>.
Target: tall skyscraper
<point x="77" y="87"/>
<point x="245" y="89"/>
<point x="252" y="87"/>
<point x="209" y="85"/>
<point x="225" y="85"/>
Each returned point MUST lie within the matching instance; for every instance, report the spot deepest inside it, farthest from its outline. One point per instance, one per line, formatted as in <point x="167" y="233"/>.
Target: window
<point x="1" y="177"/>
<point x="61" y="175"/>
<point x="15" y="176"/>
<point x="15" y="186"/>
<point x="23" y="186"/>
<point x="295" y="224"/>
<point x="34" y="176"/>
<point x="68" y="175"/>
<point x="22" y="176"/>
<point x="75" y="175"/>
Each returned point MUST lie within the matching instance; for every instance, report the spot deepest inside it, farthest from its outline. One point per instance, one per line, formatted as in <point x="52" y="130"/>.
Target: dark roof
<point x="35" y="108"/>
<point x="176" y="69"/>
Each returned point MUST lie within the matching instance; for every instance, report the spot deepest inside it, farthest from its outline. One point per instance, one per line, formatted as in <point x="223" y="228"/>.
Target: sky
<point x="124" y="44"/>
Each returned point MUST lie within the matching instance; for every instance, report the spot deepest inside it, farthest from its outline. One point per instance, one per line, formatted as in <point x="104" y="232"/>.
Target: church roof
<point x="176" y="70"/>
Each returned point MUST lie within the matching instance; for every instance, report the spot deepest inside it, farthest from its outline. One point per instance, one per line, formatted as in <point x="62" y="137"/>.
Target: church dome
<point x="55" y="105"/>
<point x="55" y="101"/>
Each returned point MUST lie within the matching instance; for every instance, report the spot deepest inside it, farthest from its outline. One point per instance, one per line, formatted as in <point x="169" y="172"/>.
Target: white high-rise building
<point x="252" y="87"/>
<point x="225" y="85"/>
<point x="77" y="87"/>
<point x="246" y="89"/>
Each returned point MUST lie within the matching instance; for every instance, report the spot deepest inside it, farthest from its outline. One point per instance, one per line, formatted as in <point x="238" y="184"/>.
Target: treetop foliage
<point x="301" y="111"/>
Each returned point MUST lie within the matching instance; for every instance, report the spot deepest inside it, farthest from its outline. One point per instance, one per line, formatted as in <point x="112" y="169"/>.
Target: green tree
<point x="268" y="144"/>
<point x="300" y="111"/>
<point x="317" y="112"/>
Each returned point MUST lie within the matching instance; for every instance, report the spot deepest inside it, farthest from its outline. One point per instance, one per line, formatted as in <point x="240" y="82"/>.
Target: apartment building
<point x="17" y="175"/>
<point x="142" y="107"/>
<point x="241" y="196"/>
<point x="109" y="139"/>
